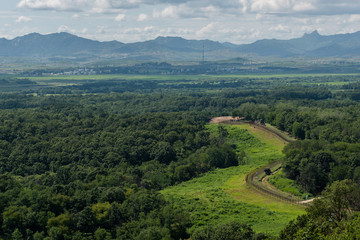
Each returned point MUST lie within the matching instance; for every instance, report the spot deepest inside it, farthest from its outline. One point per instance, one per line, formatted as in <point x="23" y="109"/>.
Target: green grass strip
<point x="222" y="196"/>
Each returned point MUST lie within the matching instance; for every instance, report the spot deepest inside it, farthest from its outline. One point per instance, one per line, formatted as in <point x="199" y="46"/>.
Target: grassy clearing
<point x="287" y="185"/>
<point x="222" y="196"/>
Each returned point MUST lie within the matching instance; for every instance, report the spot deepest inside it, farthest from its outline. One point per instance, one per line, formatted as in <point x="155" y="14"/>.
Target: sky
<point x="236" y="21"/>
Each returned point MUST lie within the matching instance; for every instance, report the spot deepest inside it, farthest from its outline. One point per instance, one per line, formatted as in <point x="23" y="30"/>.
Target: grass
<point x="282" y="134"/>
<point x="287" y="185"/>
<point x="222" y="195"/>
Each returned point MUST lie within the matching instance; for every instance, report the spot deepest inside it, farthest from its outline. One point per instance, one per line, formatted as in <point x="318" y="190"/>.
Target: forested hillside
<point x="71" y="169"/>
<point x="88" y="161"/>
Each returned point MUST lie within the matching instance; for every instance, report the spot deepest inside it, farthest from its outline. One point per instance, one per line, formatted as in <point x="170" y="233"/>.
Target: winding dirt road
<point x="256" y="179"/>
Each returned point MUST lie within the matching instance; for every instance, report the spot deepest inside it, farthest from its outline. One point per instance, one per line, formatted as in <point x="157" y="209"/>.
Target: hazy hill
<point x="313" y="44"/>
<point x="56" y="44"/>
<point x="176" y="48"/>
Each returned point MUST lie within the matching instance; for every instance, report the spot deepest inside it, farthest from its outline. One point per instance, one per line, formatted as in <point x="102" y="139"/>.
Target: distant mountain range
<point x="65" y="45"/>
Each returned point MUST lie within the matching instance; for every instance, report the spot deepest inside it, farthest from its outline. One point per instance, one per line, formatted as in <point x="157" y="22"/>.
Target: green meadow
<point x="222" y="196"/>
<point x="284" y="184"/>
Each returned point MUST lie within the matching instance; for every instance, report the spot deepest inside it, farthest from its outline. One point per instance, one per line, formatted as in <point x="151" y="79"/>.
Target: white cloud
<point x="168" y="12"/>
<point x="319" y="7"/>
<point x="98" y="6"/>
<point x="101" y="30"/>
<point x="264" y="6"/>
<point x="149" y="29"/>
<point x="222" y="20"/>
<point x="280" y="28"/>
<point x="142" y="17"/>
<point x="22" y="19"/>
<point x="184" y="11"/>
<point x="303" y="6"/>
<point x="64" y="28"/>
<point x="48" y="4"/>
<point x="307" y="29"/>
<point x="280" y="6"/>
<point x="120" y="17"/>
<point x="354" y="18"/>
<point x="209" y="8"/>
<point x="259" y="16"/>
<point x="137" y="31"/>
<point x="210" y="28"/>
<point x="201" y="7"/>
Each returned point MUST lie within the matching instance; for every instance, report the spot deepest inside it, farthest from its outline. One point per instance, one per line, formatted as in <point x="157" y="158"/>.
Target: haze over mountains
<point x="65" y="45"/>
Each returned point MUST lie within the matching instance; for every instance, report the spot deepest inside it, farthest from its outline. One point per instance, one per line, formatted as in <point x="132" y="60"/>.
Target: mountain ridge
<point x="67" y="45"/>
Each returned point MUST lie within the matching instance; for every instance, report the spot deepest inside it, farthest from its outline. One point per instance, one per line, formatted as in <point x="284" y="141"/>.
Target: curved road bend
<point x="252" y="179"/>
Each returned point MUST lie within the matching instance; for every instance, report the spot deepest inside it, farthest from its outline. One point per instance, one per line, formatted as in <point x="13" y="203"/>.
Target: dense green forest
<point x="87" y="160"/>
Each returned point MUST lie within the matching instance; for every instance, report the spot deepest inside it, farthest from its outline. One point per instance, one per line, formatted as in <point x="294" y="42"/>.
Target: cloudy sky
<point x="237" y="21"/>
